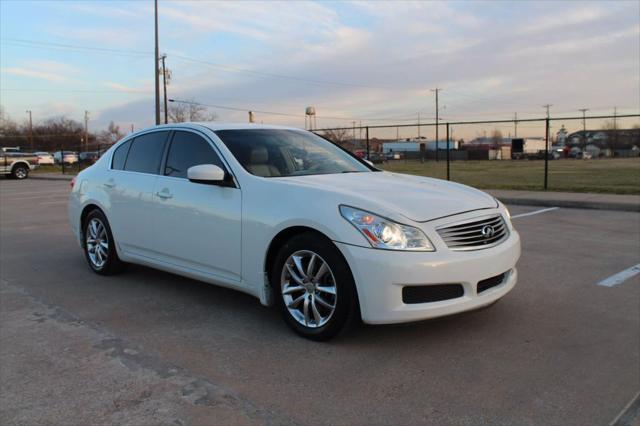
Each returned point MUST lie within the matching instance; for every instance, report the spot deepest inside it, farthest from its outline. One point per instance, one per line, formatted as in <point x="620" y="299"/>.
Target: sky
<point x="372" y="62"/>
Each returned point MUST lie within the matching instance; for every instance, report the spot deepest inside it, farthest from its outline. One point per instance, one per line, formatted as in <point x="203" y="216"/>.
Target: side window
<point x="188" y="149"/>
<point x="146" y="152"/>
<point x="120" y="156"/>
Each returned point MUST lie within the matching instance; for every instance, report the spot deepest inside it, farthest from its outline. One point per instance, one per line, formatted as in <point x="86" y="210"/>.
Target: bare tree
<point x="190" y="111"/>
<point x="342" y="137"/>
<point x="111" y="135"/>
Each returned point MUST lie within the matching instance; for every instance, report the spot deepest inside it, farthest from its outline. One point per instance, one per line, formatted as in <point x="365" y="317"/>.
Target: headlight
<point x="501" y="204"/>
<point x="385" y="234"/>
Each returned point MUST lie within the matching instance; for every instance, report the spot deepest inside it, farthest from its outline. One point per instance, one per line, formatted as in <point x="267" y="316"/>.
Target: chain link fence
<point x="584" y="154"/>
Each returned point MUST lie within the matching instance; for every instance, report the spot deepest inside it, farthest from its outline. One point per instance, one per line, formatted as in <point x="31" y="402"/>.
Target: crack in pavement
<point x="176" y="383"/>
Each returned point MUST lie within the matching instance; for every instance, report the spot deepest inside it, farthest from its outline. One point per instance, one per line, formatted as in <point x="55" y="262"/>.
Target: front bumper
<point x="380" y="276"/>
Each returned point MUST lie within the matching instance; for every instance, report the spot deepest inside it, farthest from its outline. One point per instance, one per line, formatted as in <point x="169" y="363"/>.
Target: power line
<point x="224" y="67"/>
<point x="35" y="43"/>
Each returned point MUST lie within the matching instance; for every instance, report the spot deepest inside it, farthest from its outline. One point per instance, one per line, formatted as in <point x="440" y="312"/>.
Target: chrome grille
<point x="474" y="234"/>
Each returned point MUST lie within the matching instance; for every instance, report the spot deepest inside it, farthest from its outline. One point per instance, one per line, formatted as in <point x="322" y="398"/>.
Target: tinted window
<point x="120" y="156"/>
<point x="274" y="152"/>
<point x="188" y="149"/>
<point x="145" y="153"/>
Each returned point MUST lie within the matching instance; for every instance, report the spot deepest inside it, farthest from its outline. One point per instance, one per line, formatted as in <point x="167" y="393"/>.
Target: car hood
<point x="414" y="197"/>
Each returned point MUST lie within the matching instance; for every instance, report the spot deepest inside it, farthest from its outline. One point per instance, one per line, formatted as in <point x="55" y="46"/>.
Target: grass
<point x="615" y="176"/>
<point x="69" y="169"/>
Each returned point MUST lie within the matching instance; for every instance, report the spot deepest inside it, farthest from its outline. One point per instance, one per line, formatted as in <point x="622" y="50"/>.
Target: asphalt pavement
<point x="148" y="347"/>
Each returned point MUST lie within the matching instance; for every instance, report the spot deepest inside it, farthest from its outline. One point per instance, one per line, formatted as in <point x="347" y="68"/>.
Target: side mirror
<point x="208" y="174"/>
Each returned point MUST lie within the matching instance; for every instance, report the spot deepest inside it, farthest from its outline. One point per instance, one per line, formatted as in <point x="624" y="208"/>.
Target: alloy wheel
<point x="97" y="243"/>
<point x="21" y="173"/>
<point x="308" y="288"/>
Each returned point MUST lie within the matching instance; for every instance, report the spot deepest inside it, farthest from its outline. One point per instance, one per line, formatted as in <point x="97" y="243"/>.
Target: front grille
<point x="474" y="234"/>
<point x="431" y="293"/>
<point x="490" y="282"/>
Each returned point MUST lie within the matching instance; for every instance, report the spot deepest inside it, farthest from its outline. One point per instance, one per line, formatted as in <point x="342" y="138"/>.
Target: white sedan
<point x="44" y="158"/>
<point x="296" y="221"/>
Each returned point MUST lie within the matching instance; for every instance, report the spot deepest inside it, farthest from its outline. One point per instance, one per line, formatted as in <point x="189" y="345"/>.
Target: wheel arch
<point x="88" y="208"/>
<point x="20" y="163"/>
<point x="284" y="235"/>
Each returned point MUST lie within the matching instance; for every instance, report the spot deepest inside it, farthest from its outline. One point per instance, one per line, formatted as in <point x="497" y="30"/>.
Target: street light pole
<point x="155" y="64"/>
<point x="436" y="90"/>
<point x="584" y="126"/>
<point x="164" y="84"/>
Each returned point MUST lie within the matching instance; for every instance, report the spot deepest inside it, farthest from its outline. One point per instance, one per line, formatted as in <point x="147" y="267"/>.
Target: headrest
<point x="259" y="155"/>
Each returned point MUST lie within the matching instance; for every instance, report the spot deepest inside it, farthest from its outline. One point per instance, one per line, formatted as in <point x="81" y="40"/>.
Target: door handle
<point x="109" y="184"/>
<point x="164" y="194"/>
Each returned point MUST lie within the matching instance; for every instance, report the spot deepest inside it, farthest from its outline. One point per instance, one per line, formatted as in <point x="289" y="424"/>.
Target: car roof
<point x="215" y="125"/>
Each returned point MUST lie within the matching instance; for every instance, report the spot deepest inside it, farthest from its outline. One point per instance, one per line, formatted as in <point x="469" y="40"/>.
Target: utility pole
<point x="547" y="106"/>
<point x="584" y="126"/>
<point x="155" y="64"/>
<point x="615" y="130"/>
<point x="86" y="129"/>
<point x="30" y="129"/>
<point x="515" y="125"/>
<point x="436" y="90"/>
<point x="164" y="83"/>
<point x="418" y="127"/>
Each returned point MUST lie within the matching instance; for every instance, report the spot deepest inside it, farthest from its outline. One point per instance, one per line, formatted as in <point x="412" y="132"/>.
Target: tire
<point x="20" y="171"/>
<point x="96" y="234"/>
<point x="312" y="282"/>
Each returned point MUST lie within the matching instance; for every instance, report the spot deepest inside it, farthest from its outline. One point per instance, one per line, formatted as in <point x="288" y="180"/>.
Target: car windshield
<point x="281" y="153"/>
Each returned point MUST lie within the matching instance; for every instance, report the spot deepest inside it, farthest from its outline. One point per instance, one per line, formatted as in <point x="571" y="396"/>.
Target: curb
<point x="590" y="205"/>
<point x="41" y="177"/>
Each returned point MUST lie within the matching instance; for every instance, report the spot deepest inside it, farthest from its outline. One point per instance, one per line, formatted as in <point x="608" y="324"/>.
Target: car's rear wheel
<point x="99" y="245"/>
<point x="19" y="172"/>
<point x="315" y="289"/>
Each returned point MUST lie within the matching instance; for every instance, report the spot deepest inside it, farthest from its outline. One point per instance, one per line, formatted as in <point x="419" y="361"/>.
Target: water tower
<point x="310" y="117"/>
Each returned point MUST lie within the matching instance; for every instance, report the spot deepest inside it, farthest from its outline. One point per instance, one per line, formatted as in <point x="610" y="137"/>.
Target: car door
<point x="198" y="226"/>
<point x="130" y="183"/>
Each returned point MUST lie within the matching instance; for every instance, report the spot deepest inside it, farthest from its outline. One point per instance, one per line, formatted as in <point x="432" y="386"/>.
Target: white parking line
<point x="534" y="212"/>
<point x="620" y="277"/>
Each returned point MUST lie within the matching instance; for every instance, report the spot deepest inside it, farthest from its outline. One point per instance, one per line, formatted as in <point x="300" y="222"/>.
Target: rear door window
<point x="189" y="149"/>
<point x="146" y="152"/>
<point x="120" y="156"/>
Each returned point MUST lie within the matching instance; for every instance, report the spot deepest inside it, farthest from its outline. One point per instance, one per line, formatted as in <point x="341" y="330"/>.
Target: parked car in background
<point x="70" y="157"/>
<point x="44" y="158"/>
<point x="89" y="156"/>
<point x="17" y="165"/>
<point x="232" y="205"/>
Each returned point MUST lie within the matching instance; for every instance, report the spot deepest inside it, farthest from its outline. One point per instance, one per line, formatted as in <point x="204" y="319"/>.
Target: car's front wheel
<point x="20" y="172"/>
<point x="315" y="289"/>
<point x="99" y="245"/>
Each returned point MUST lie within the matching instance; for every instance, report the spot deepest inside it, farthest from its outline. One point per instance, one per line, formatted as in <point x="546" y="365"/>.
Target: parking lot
<point x="148" y="347"/>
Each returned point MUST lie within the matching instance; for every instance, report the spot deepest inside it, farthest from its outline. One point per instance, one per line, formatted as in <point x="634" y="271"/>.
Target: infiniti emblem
<point x="487" y="231"/>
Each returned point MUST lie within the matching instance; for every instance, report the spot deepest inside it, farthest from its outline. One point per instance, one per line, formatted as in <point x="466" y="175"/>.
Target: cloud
<point x="382" y="57"/>
<point x="31" y="73"/>
<point x="574" y="16"/>
<point x="43" y="70"/>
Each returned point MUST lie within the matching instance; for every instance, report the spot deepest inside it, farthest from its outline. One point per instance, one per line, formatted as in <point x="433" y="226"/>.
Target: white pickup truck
<point x="17" y="164"/>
